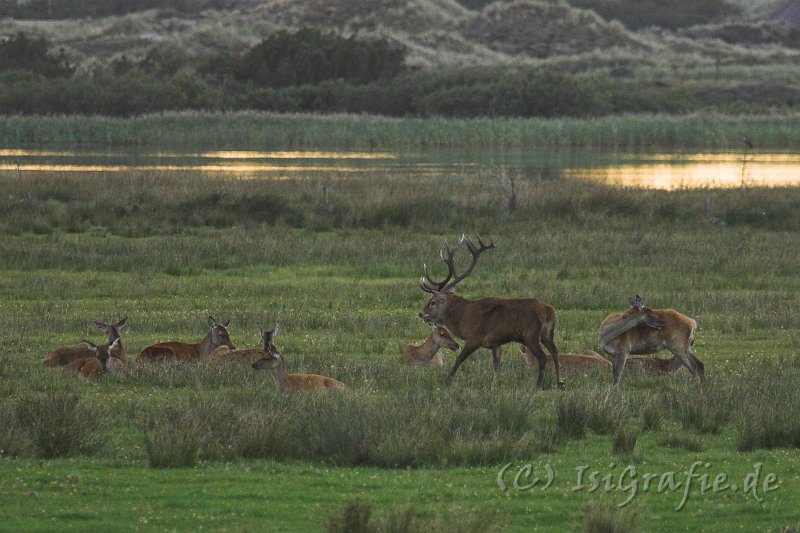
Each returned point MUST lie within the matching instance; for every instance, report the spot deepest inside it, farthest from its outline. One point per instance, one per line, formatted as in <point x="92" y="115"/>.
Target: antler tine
<point x="451" y="270"/>
<point x="476" y="251"/>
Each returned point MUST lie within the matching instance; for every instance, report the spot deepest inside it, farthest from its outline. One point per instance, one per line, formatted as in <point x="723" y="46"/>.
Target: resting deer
<point x="489" y="322"/>
<point x="643" y="331"/>
<point x="571" y="361"/>
<point x="427" y="353"/>
<point x="100" y="362"/>
<point x="181" y="351"/>
<point x="65" y="354"/>
<point x="273" y="361"/>
<point x="248" y="355"/>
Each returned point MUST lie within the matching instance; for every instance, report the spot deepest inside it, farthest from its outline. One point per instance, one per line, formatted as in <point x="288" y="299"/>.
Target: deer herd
<point x="484" y="323"/>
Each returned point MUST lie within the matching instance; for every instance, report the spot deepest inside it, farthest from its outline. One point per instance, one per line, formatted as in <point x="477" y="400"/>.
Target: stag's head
<point x="442" y="337"/>
<point x="272" y="357"/>
<point x="642" y="314"/>
<point x="441" y="291"/>
<point x="219" y="333"/>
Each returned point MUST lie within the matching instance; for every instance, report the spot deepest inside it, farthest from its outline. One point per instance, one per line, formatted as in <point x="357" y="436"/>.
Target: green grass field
<point x="235" y="456"/>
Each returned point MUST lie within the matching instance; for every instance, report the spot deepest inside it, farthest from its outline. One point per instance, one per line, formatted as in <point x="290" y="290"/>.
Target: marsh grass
<point x="357" y="516"/>
<point x="602" y="516"/>
<point x="290" y="131"/>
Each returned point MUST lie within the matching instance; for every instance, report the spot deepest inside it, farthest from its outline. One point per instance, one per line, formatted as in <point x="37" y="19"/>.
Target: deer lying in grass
<point x="489" y="322"/>
<point x="273" y="361"/>
<point x="181" y="351"/>
<point x="101" y="361"/>
<point x="571" y="361"/>
<point x="427" y="353"/>
<point x="590" y="358"/>
<point x="643" y="331"/>
<point x="242" y="355"/>
<point x="65" y="354"/>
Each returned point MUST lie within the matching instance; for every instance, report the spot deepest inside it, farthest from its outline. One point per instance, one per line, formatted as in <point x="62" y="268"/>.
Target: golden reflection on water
<point x="699" y="171"/>
<point x="182" y="168"/>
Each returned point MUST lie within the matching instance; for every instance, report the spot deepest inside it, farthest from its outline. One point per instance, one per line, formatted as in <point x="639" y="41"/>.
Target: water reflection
<point x="658" y="170"/>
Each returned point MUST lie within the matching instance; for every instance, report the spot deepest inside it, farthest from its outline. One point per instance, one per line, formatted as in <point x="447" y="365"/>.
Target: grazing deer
<point x="427" y="353"/>
<point x="273" y="361"/>
<point x="489" y="322"/>
<point x="181" y="351"/>
<point x="65" y="354"/>
<point x="98" y="363"/>
<point x="644" y="331"/>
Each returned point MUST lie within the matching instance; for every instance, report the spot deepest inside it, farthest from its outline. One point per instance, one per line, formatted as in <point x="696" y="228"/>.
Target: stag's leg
<point x="466" y="352"/>
<point x="551" y="347"/>
<point x="497" y="353"/>
<point x="693" y="364"/>
<point x="541" y="358"/>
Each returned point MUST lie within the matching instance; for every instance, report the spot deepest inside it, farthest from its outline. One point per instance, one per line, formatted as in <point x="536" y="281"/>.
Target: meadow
<point x="214" y="446"/>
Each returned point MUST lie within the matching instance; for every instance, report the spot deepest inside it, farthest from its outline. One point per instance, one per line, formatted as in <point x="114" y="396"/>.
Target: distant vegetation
<point x="312" y="71"/>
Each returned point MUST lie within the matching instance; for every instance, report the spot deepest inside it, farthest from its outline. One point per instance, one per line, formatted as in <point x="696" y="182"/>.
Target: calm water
<point x="658" y="170"/>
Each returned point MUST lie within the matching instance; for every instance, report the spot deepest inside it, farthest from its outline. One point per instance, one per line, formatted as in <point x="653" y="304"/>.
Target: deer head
<point x="219" y="333"/>
<point x="443" y="337"/>
<point x="642" y="314"/>
<point x="103" y="352"/>
<point x="112" y="330"/>
<point x="272" y="358"/>
<point x="434" y="311"/>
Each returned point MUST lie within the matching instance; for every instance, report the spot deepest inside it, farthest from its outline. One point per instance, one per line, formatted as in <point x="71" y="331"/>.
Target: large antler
<point x="446" y="285"/>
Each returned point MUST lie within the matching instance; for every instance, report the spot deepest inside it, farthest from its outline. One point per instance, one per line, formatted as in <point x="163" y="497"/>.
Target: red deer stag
<point x="181" y="351"/>
<point x="273" y="361"/>
<point x="100" y="362"/>
<point x="489" y="322"/>
<point x="427" y="353"/>
<point x="644" y="331"/>
<point x="65" y="354"/>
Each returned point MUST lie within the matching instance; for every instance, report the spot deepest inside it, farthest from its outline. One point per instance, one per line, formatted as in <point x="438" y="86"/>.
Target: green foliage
<point x="602" y="516"/>
<point x="21" y="52"/>
<point x="623" y="441"/>
<point x="309" y="57"/>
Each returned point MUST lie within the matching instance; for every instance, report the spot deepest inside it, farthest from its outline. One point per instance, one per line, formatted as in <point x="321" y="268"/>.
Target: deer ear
<point x="121" y="323"/>
<point x="275" y="329"/>
<point x="211" y="321"/>
<point x="92" y="346"/>
<point x="639" y="302"/>
<point x="226" y="322"/>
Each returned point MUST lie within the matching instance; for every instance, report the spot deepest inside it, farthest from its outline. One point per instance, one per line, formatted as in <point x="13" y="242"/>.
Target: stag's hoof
<point x="562" y="385"/>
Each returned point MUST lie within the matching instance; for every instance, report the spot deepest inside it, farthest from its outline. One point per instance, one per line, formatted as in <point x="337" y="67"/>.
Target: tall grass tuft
<point x="623" y="441"/>
<point x="173" y="440"/>
<point x="59" y="423"/>
<point x="769" y="403"/>
<point x="605" y="517"/>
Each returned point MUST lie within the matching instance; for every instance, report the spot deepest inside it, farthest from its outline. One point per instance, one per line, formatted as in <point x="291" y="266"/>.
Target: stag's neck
<point x="618" y="327"/>
<point x="456" y="308"/>
<point x="280" y="376"/>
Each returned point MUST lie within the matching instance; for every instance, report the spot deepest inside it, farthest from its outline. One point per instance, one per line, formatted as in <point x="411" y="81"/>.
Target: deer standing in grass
<point x="181" y="351"/>
<point x="427" y="353"/>
<point x="63" y="355"/>
<point x="644" y="331"/>
<point x="101" y="361"/>
<point x="489" y="322"/>
<point x="273" y="361"/>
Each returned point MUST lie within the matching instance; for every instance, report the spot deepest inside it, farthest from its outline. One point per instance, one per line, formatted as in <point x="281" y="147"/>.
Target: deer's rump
<point x="66" y="354"/>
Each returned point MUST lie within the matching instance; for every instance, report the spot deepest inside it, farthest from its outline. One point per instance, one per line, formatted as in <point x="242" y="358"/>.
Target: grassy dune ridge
<point x="343" y="284"/>
<point x="352" y="132"/>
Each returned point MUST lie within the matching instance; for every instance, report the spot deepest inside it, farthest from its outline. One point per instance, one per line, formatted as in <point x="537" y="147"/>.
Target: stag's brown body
<point x="63" y="355"/>
<point x="489" y="322"/>
<point x="181" y="351"/>
<point x="643" y="331"/>
<point x="427" y="353"/>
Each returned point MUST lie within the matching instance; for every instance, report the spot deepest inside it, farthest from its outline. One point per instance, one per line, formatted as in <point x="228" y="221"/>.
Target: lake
<point x="655" y="170"/>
